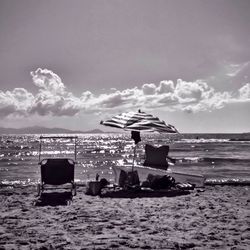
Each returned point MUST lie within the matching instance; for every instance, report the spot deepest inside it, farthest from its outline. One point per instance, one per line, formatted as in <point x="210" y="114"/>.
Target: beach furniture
<point x="57" y="172"/>
<point x="156" y="156"/>
<point x="156" y="163"/>
<point x="144" y="171"/>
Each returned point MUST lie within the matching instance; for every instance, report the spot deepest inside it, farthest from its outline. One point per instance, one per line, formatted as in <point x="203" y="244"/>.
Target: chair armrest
<point x="171" y="159"/>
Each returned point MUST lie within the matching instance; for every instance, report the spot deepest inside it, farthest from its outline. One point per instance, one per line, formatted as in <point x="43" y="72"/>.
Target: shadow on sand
<point x="143" y="193"/>
<point x="54" y="199"/>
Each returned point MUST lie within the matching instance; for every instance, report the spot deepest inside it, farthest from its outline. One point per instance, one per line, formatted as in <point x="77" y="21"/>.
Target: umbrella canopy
<point x="139" y="121"/>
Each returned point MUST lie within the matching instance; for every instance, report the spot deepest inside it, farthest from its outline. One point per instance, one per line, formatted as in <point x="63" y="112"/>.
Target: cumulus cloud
<point x="16" y="102"/>
<point x="148" y="89"/>
<point x="53" y="98"/>
<point x="244" y="92"/>
<point x="165" y="87"/>
<point x="215" y="101"/>
<point x="186" y="96"/>
<point x="48" y="80"/>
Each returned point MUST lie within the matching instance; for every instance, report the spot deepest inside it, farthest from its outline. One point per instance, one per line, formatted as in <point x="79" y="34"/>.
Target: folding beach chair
<point x="57" y="173"/>
<point x="156" y="157"/>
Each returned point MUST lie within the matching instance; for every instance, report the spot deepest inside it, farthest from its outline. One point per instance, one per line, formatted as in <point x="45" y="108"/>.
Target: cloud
<point x="186" y="96"/>
<point x="217" y="100"/>
<point x="234" y="69"/>
<point x="244" y="92"/>
<point x="117" y="99"/>
<point x="16" y="102"/>
<point x="48" y="80"/>
<point x="54" y="99"/>
<point x="148" y="89"/>
<point x="165" y="87"/>
<point x="46" y="103"/>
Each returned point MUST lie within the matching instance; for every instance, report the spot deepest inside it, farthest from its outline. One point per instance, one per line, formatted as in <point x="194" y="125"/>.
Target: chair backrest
<point x="57" y="171"/>
<point x="156" y="156"/>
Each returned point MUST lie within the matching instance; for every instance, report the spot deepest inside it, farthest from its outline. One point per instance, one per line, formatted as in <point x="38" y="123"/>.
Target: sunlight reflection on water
<point x="212" y="157"/>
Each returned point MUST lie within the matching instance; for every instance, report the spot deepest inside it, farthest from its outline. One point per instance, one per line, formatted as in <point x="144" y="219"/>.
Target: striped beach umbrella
<point x="139" y="121"/>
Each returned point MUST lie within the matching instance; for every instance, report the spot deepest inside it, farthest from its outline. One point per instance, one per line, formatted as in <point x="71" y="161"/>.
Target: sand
<point x="217" y="218"/>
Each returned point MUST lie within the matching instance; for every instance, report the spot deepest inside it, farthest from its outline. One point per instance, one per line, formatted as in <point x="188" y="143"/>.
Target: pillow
<point x="156" y="156"/>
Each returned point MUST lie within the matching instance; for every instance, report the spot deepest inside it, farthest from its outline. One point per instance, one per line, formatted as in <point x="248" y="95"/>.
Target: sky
<point x="74" y="63"/>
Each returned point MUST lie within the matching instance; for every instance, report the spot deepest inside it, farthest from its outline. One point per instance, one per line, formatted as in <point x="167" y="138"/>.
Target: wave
<point x="208" y="182"/>
<point x="213" y="160"/>
<point x="27" y="182"/>
<point x="228" y="159"/>
<point x="239" y="139"/>
<point x="15" y="159"/>
<point x="213" y="140"/>
<point x="227" y="181"/>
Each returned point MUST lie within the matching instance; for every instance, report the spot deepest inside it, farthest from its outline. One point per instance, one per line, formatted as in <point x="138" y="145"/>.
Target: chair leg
<point x="73" y="190"/>
<point x="38" y="189"/>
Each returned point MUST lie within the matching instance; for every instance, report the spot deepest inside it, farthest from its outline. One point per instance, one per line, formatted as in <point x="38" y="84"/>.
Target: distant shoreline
<point x="45" y="130"/>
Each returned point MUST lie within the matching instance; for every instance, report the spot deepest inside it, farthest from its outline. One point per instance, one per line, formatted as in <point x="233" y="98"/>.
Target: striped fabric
<point x="139" y="121"/>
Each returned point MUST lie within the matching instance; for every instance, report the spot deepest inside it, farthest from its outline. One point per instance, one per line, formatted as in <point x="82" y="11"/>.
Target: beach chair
<point x="156" y="157"/>
<point x="57" y="172"/>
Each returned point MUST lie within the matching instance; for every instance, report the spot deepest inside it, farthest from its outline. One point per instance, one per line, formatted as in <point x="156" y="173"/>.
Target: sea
<point x="220" y="158"/>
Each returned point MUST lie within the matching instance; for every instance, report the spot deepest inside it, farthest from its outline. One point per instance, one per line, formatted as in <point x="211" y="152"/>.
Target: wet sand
<point x="217" y="218"/>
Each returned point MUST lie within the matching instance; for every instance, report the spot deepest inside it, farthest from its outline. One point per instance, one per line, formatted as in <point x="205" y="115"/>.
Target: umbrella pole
<point x="134" y="158"/>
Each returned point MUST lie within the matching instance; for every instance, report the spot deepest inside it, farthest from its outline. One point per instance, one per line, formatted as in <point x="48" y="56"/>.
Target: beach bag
<point x="93" y="188"/>
<point x="160" y="181"/>
<point x="133" y="178"/>
<point x="128" y="178"/>
<point x="123" y="178"/>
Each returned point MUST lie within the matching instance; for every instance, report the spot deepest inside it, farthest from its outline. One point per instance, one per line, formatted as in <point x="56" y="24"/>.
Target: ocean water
<point x="219" y="157"/>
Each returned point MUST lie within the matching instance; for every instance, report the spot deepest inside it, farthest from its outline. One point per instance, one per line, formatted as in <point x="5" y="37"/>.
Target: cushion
<point x="156" y="156"/>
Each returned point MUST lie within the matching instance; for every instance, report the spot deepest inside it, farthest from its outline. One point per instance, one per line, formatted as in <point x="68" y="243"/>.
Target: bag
<point x="128" y="178"/>
<point x="160" y="181"/>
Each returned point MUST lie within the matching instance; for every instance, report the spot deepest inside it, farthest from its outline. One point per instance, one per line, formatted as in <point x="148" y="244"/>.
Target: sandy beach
<point x="214" y="218"/>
